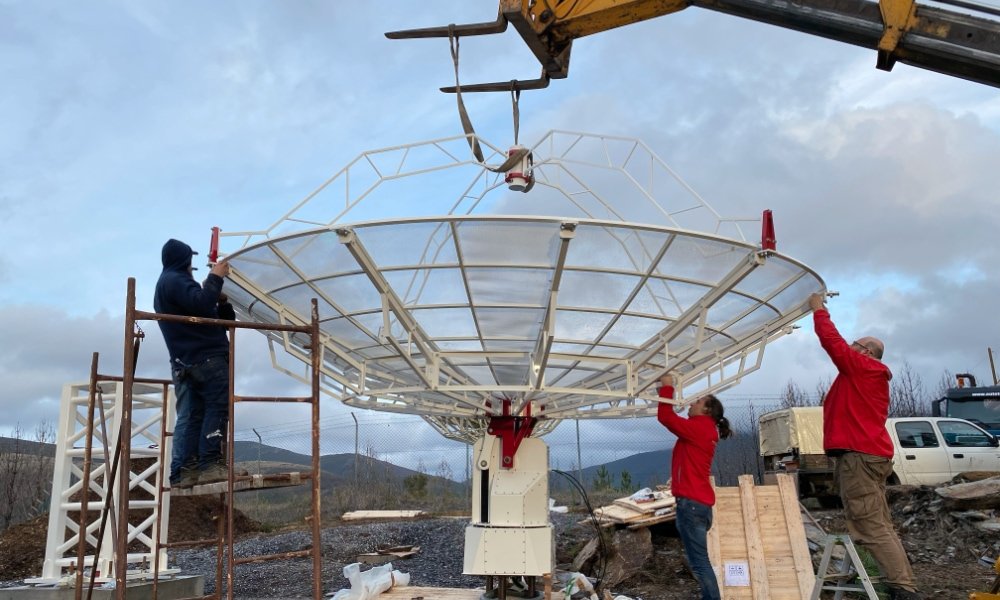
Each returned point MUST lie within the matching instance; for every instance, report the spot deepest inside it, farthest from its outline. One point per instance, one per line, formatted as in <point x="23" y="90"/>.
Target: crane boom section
<point x="929" y="37"/>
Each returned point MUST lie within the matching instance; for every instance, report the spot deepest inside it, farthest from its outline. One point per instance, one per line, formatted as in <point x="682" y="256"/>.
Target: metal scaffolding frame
<point x="112" y="533"/>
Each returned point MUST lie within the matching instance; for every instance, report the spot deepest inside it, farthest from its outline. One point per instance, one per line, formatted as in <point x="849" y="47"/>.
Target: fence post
<point x="355" y="448"/>
<point x="260" y="444"/>
<point x="579" y="458"/>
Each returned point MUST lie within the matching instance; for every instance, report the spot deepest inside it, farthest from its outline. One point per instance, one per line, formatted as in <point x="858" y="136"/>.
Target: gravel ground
<point x="438" y="564"/>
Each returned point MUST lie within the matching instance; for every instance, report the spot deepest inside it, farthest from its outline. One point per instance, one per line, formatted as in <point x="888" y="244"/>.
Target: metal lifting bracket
<point x="511" y="430"/>
<point x="898" y="17"/>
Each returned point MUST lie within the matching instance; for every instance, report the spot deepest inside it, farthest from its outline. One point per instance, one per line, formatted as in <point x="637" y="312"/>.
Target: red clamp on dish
<point x="510" y="430"/>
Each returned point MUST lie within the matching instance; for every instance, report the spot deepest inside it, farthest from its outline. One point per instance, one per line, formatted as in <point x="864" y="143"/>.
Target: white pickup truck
<point x="927" y="450"/>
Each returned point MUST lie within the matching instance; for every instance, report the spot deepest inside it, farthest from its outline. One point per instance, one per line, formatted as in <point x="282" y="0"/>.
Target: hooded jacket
<point x="177" y="293"/>
<point x="857" y="405"/>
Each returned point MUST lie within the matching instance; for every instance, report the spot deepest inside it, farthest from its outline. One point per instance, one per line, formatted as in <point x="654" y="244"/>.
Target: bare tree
<point x="946" y="382"/>
<point x="794" y="395"/>
<point x="25" y="474"/>
<point x="822" y="387"/>
<point x="740" y="454"/>
<point x="907" y="394"/>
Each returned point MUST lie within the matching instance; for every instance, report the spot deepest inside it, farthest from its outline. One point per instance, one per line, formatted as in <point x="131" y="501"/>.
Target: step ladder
<point x="849" y="568"/>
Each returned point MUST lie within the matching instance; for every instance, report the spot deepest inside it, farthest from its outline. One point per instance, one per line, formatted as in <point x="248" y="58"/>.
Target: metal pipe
<point x="190" y="543"/>
<point x="301" y="400"/>
<point x="993" y="366"/>
<point x="296" y="554"/>
<point x="125" y="444"/>
<point x="316" y="547"/>
<point x="230" y="460"/>
<point x="109" y="484"/>
<point x="161" y="486"/>
<point x="152" y="316"/>
<point x="85" y="489"/>
<point x="119" y="378"/>
<point x="220" y="533"/>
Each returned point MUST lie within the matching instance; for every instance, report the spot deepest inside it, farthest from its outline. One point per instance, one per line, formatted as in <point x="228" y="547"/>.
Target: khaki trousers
<point x="861" y="479"/>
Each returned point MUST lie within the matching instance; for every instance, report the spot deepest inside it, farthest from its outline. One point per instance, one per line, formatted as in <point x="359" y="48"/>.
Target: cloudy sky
<point x="123" y="124"/>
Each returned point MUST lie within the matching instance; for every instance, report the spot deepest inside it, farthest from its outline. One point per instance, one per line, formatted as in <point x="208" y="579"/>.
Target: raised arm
<point x="665" y="414"/>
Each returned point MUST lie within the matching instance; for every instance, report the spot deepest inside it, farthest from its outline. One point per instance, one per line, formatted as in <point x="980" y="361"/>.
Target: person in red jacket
<point x="854" y="415"/>
<point x="690" y="468"/>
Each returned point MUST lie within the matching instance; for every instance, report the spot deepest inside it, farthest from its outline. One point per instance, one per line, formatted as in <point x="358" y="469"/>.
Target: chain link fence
<point x="364" y="450"/>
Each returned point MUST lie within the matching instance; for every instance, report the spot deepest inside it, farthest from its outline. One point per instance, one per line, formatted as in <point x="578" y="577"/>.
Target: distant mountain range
<point x="645" y="469"/>
<point x="21" y="446"/>
<point x="335" y="467"/>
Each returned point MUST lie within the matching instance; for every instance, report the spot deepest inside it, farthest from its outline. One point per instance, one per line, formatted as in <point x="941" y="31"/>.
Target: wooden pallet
<point x="758" y="531"/>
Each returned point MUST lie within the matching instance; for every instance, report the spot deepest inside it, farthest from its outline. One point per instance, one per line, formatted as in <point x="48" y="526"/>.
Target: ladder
<point x="846" y="571"/>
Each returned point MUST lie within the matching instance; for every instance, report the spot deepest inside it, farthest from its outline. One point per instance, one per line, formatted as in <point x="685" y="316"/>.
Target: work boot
<point x="188" y="478"/>
<point x="219" y="472"/>
<point x="898" y="593"/>
<point x="213" y="473"/>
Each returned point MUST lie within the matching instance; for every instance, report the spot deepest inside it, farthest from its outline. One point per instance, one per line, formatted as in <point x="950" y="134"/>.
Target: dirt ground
<point x="22" y="547"/>
<point x="944" y="548"/>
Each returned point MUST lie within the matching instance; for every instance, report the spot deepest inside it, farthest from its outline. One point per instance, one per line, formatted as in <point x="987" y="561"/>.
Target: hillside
<point x="22" y="446"/>
<point x="336" y="468"/>
<point x="646" y="469"/>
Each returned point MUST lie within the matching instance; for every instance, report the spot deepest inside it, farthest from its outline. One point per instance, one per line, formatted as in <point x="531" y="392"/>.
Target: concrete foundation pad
<point x="184" y="586"/>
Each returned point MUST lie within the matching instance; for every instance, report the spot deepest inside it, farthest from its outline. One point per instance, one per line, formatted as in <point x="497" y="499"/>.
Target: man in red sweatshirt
<point x="854" y="415"/>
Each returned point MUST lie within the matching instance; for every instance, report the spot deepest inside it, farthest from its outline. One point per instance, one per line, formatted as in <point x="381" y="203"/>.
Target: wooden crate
<point x="759" y="529"/>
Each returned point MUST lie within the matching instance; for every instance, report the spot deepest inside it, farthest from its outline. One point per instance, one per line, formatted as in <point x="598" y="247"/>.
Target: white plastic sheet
<point x="367" y="585"/>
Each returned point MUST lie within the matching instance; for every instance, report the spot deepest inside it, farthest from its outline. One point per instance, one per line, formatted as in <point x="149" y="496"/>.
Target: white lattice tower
<point x="67" y="485"/>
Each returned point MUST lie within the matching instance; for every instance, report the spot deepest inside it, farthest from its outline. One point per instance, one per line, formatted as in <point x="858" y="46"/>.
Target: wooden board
<point x="646" y="507"/>
<point x="653" y="520"/>
<point x="760" y="528"/>
<point x="381" y="514"/>
<point x="429" y="593"/>
<point x="384" y="555"/>
<point x="243" y="483"/>
<point x="618" y="514"/>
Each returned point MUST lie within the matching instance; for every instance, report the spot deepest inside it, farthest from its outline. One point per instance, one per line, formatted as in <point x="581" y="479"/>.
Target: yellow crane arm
<point x="961" y="44"/>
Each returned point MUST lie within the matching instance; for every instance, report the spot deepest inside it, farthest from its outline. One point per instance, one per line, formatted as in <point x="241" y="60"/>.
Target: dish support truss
<point x="62" y="549"/>
<point x="481" y="297"/>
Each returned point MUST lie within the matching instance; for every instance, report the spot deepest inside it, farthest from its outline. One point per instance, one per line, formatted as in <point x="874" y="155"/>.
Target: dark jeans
<point x="694" y="519"/>
<point x="202" y="392"/>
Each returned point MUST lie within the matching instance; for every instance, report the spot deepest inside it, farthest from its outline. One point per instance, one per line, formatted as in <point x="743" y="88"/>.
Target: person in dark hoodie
<point x="854" y="414"/>
<point x="690" y="469"/>
<point x="199" y="365"/>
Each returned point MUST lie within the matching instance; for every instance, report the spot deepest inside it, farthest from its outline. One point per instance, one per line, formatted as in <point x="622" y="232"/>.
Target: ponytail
<point x="714" y="407"/>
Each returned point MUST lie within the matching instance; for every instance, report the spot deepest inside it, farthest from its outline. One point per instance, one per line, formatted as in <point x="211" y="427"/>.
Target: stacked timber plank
<point x="639" y="510"/>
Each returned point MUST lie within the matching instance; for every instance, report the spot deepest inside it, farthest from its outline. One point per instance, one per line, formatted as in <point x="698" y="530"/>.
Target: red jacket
<point x="857" y="404"/>
<point x="691" y="463"/>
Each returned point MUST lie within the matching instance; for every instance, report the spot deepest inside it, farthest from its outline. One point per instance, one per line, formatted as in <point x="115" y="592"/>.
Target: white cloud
<point x="133" y="123"/>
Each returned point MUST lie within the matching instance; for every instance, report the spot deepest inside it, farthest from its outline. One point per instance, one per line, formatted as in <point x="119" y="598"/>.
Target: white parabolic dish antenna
<point x="443" y="293"/>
